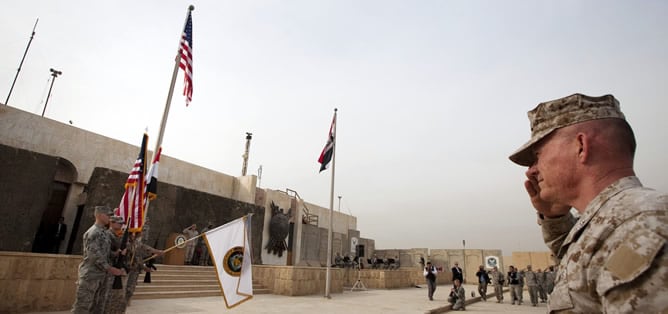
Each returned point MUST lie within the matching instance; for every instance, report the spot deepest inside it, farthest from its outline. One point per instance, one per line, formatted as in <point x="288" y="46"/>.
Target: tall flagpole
<point x="177" y="61"/>
<point x="328" y="281"/>
<point x="21" y="64"/>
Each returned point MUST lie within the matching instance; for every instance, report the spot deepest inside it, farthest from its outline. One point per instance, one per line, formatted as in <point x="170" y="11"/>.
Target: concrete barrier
<point x="31" y="282"/>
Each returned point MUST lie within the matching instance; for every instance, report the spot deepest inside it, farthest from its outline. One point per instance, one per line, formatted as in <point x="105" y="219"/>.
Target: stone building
<point x="49" y="169"/>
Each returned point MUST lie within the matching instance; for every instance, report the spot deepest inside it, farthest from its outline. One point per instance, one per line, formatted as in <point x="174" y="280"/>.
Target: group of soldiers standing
<point x="100" y="267"/>
<point x="539" y="283"/>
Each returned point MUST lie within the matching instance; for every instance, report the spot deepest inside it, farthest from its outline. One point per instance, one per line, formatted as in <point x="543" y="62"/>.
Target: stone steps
<point x="176" y="281"/>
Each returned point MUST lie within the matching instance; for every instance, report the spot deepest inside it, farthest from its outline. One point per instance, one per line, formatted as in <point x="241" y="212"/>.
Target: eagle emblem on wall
<point x="279" y="227"/>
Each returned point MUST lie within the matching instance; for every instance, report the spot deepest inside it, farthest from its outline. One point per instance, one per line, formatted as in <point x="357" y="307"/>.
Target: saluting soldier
<point x="613" y="257"/>
<point x="95" y="265"/>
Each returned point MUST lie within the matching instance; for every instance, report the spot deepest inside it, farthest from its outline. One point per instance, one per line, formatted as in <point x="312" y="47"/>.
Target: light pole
<point x="464" y="261"/>
<point x="249" y="136"/>
<point x="339" y="202"/>
<point x="55" y="74"/>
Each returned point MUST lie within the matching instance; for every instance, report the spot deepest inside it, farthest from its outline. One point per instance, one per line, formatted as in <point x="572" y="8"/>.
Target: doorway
<point x="45" y="240"/>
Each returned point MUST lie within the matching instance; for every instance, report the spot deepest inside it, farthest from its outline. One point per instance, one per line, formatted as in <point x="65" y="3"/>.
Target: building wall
<point x="537" y="260"/>
<point x="444" y="259"/>
<point x="88" y="150"/>
<point x="22" y="174"/>
<point x="174" y="209"/>
<point x="32" y="147"/>
<point x="37" y="282"/>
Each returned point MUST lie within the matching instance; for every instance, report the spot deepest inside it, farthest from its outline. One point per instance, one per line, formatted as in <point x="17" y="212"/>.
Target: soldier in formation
<point x="95" y="266"/>
<point x="498" y="279"/>
<point x="549" y="279"/>
<point x="115" y="298"/>
<point x="541" y="285"/>
<point x="531" y="279"/>
<point x="115" y="232"/>
<point x="137" y="252"/>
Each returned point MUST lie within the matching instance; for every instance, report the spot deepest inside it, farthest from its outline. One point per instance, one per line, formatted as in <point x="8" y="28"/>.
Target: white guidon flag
<point x="229" y="246"/>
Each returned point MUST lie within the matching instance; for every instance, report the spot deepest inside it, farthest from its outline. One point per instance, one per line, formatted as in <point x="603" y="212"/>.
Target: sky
<point x="431" y="95"/>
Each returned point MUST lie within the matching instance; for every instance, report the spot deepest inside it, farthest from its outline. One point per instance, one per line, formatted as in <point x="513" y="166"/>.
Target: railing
<point x="307" y="217"/>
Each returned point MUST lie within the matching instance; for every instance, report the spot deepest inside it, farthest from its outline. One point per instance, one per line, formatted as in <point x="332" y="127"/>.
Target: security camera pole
<point x="55" y="74"/>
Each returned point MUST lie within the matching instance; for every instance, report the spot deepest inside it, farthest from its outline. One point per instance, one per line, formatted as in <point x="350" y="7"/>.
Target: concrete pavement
<point x="407" y="300"/>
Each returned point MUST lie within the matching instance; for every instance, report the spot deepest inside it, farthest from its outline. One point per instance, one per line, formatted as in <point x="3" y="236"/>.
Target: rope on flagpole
<point x="171" y="248"/>
<point x="246" y="217"/>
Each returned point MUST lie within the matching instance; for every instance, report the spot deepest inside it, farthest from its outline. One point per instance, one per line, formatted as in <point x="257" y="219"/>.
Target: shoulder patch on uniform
<point x="630" y="259"/>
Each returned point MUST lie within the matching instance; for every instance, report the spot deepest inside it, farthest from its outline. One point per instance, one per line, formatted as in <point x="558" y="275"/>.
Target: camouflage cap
<point x="558" y="113"/>
<point x="117" y="219"/>
<point x="104" y="210"/>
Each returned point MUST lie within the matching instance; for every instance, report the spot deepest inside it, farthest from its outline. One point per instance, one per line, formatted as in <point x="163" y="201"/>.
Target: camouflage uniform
<point x="540" y="277"/>
<point x="520" y="278"/>
<point x="532" y="284"/>
<point x="92" y="271"/>
<point x="108" y="278"/>
<point x="498" y="281"/>
<point x="457" y="298"/>
<point x="135" y="266"/>
<point x="614" y="258"/>
<point x="146" y="230"/>
<point x="190" y="246"/>
<point x="115" y="303"/>
<point x="550" y="276"/>
<point x="137" y="251"/>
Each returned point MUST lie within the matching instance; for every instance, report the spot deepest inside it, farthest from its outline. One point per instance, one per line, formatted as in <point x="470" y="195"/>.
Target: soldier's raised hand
<point x="548" y="209"/>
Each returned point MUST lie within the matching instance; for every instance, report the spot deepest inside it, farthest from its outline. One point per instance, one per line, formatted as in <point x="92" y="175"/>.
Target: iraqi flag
<point x="152" y="177"/>
<point x="328" y="152"/>
<point x="230" y="249"/>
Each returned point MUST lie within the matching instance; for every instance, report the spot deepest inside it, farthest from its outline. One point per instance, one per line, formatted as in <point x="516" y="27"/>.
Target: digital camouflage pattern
<point x="114" y="299"/>
<point x="531" y="279"/>
<point x="498" y="281"/>
<point x="614" y="259"/>
<point x="92" y="271"/>
<point x="137" y="251"/>
<point x="457" y="298"/>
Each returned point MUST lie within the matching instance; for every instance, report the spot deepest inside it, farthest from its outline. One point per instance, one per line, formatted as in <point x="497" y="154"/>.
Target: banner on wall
<point x="491" y="261"/>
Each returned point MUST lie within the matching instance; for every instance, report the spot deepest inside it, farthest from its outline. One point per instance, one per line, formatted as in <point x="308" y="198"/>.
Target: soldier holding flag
<point x="95" y="265"/>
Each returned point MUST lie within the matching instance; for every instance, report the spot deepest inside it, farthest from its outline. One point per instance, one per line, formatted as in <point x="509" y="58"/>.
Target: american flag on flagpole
<point x="186" y="64"/>
<point x="131" y="207"/>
